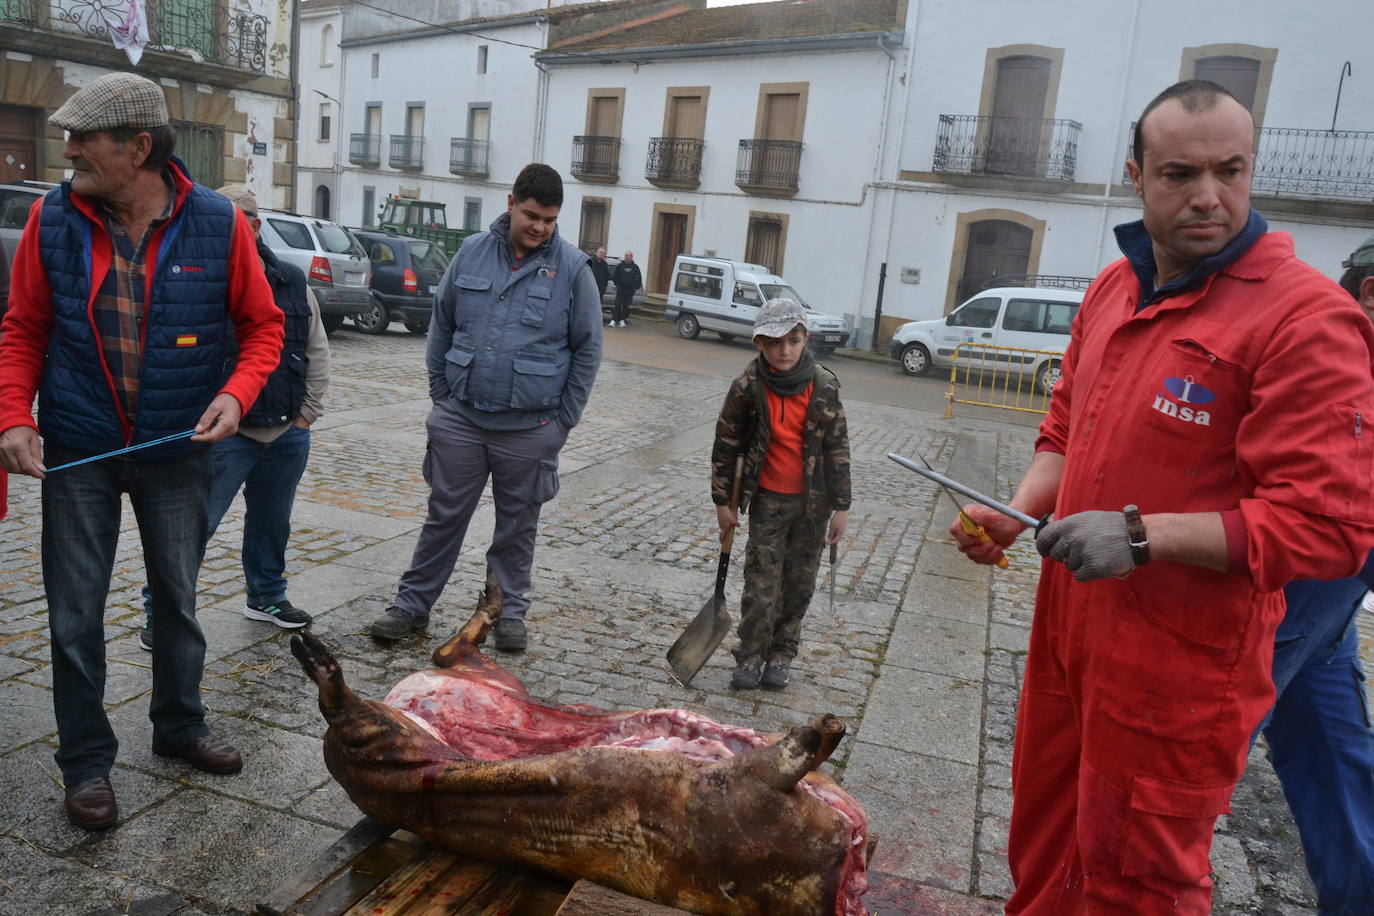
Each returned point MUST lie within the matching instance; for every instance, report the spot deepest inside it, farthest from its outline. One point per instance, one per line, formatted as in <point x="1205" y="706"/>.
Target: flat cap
<point x="777" y="318"/>
<point x="1362" y="256"/>
<point x="113" y="100"/>
<point x="242" y="198"/>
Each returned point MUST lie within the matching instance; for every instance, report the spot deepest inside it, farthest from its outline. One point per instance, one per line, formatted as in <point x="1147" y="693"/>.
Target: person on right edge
<point x="514" y="346"/>
<point x="1318" y="732"/>
<point x="627" y="280"/>
<point x="1205" y="445"/>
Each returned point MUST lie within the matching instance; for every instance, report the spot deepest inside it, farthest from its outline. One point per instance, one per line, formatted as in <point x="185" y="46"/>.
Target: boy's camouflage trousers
<point x="780" y="566"/>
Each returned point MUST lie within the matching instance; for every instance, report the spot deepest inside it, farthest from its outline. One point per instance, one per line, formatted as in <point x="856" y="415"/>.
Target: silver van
<point x="335" y="264"/>
<point x="724" y="296"/>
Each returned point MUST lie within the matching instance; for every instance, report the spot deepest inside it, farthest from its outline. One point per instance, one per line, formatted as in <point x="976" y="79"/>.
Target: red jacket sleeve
<point x="24" y="343"/>
<point x="1311" y="513"/>
<point x="1054" y="429"/>
<point x="258" y="322"/>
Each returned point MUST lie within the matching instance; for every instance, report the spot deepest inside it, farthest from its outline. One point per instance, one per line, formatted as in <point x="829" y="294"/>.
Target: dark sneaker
<point x="776" y="675"/>
<point x="145" y="636"/>
<point x="397" y="624"/>
<point x="210" y="754"/>
<point x="91" y="804"/>
<point x="746" y="676"/>
<point x="511" y="635"/>
<point x="283" y="613"/>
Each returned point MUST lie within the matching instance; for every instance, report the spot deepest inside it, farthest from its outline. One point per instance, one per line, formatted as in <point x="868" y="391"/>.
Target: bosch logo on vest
<point x="188" y="268"/>
<point x="1185" y="394"/>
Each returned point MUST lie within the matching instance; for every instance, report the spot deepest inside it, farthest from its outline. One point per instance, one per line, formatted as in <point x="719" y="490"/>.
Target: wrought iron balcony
<point x="407" y="151"/>
<point x="674" y="162"/>
<point x="365" y="149"/>
<point x="768" y="165"/>
<point x="1291" y="162"/>
<point x="468" y="157"/>
<point x="1024" y="147"/>
<point x="206" y="28"/>
<point x="24" y="12"/>
<point x="596" y="158"/>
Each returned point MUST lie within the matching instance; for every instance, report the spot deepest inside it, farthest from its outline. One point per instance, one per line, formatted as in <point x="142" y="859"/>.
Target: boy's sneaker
<point x="746" y="676"/>
<point x="283" y="613"/>
<point x="511" y="635"/>
<point x="396" y="624"/>
<point x="776" y="675"/>
<point x="145" y="636"/>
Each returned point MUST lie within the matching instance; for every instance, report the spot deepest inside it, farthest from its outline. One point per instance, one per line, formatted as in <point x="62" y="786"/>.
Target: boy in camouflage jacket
<point x="783" y="414"/>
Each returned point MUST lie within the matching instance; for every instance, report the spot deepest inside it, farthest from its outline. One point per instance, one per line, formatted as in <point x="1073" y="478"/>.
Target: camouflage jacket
<point x="743" y="428"/>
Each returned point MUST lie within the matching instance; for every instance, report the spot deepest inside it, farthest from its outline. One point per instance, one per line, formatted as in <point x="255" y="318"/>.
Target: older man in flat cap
<point x="127" y="283"/>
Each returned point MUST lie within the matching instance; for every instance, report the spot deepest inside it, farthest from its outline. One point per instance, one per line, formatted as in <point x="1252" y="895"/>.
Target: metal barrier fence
<point x="1012" y="378"/>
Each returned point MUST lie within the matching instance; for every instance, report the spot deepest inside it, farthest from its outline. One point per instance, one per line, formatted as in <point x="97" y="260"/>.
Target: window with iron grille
<point x="764" y="242"/>
<point x="201" y="147"/>
<point x="592" y="232"/>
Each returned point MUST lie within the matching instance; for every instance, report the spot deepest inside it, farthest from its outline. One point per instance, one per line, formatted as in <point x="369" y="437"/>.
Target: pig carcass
<point x="662" y="804"/>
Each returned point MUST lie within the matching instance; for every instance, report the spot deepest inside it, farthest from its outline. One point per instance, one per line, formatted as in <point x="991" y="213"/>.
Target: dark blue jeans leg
<point x="269" y="492"/>
<point x="81" y="509"/>
<point x="230" y="466"/>
<point x="169" y="499"/>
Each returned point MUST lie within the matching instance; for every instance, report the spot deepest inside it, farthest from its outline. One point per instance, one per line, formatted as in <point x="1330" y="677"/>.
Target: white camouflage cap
<point x="777" y="318"/>
<point x="113" y="100"/>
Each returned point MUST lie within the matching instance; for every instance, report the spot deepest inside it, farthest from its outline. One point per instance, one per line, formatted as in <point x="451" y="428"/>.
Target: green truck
<point x="422" y="219"/>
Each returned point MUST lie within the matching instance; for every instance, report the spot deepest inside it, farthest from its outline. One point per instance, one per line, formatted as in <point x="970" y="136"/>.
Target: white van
<point x="1024" y="317"/>
<point x="724" y="296"/>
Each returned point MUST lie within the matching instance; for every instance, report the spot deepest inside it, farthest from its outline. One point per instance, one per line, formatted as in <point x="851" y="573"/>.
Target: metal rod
<point x="971" y="493"/>
<point x="1345" y="71"/>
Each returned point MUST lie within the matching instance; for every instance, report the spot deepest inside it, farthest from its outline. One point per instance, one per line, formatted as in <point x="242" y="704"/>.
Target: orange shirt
<point x="782" y="463"/>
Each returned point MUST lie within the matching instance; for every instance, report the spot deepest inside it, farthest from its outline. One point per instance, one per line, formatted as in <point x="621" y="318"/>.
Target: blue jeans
<point x="81" y="517"/>
<point x="1321" y="743"/>
<point x="268" y="474"/>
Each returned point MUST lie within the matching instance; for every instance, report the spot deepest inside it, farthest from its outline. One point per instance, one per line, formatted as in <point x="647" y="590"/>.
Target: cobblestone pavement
<point x="923" y="654"/>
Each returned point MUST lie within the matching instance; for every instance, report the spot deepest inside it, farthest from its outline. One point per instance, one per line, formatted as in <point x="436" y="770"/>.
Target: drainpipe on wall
<point x="295" y="101"/>
<point x="1120" y="120"/>
<point x="541" y="100"/>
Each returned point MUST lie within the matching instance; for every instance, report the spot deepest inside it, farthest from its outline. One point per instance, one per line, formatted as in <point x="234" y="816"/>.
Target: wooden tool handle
<point x="728" y="539"/>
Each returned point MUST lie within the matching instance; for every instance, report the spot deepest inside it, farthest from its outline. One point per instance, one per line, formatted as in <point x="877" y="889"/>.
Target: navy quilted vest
<point x="280" y="400"/>
<point x="183" y="336"/>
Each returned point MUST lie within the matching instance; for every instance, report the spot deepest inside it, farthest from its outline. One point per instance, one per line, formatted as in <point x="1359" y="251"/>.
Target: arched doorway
<point x="322" y="202"/>
<point x="994" y="248"/>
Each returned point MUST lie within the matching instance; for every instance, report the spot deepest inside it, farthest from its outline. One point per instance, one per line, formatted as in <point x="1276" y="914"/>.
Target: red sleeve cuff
<point x="1237" y="543"/>
<point x="1045" y="445"/>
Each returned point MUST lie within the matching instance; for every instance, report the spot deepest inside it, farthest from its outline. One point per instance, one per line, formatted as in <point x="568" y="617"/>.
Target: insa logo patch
<point x="1186" y="393"/>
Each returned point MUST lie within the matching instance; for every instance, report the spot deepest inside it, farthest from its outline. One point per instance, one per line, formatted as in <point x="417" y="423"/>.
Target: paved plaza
<point x="922" y="655"/>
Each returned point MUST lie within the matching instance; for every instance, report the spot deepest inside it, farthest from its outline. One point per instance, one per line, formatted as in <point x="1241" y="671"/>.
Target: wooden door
<point x="996" y="248"/>
<point x="18" y="146"/>
<point x="685" y="117"/>
<point x="1018" y="112"/>
<point x="780" y="116"/>
<point x="603" y="156"/>
<point x="672" y="241"/>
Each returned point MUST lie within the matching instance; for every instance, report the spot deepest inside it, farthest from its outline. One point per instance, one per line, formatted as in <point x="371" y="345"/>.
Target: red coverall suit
<point x="1251" y="392"/>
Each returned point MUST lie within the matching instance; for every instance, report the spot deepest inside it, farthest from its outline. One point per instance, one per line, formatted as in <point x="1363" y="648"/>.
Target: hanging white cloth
<point x="130" y="33"/>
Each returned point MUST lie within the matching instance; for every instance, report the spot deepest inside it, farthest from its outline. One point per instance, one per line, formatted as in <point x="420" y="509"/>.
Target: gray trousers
<point x="460" y="456"/>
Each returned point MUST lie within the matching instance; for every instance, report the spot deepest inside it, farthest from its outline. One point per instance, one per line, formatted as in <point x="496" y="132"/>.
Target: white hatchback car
<point x="1021" y="317"/>
<point x="334" y="263"/>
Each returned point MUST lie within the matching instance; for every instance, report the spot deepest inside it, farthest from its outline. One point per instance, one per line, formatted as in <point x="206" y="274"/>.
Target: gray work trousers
<point x="459" y="457"/>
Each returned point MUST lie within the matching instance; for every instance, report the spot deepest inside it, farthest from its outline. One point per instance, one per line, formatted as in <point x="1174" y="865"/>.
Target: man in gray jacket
<point x="514" y="346"/>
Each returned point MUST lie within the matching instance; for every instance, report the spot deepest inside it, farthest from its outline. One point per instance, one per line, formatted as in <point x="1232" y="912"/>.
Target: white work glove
<point x="1093" y="545"/>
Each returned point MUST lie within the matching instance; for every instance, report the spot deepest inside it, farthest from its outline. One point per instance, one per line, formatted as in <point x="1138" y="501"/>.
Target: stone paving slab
<point x="922" y="656"/>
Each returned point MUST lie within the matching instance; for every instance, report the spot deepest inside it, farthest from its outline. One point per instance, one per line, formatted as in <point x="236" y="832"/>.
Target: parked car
<point x="1024" y="317"/>
<point x="724" y="296"/>
<point x="405" y="276"/>
<point x="16" y="199"/>
<point x="335" y="264"/>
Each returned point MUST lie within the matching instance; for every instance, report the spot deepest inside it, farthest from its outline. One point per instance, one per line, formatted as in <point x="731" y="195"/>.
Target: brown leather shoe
<point x="91" y="804"/>
<point x="211" y="754"/>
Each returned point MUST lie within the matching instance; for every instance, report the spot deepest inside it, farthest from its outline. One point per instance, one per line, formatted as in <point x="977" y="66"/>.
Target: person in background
<point x="783" y="415"/>
<point x="1205" y="446"/>
<point x="267" y="456"/>
<point x="513" y="350"/>
<point x="128" y="282"/>
<point x="601" y="271"/>
<point x="627" y="280"/>
<point x="1318" y="732"/>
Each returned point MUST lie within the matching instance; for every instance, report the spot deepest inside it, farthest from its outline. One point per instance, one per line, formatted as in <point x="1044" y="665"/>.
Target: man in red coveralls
<point x="1223" y="387"/>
